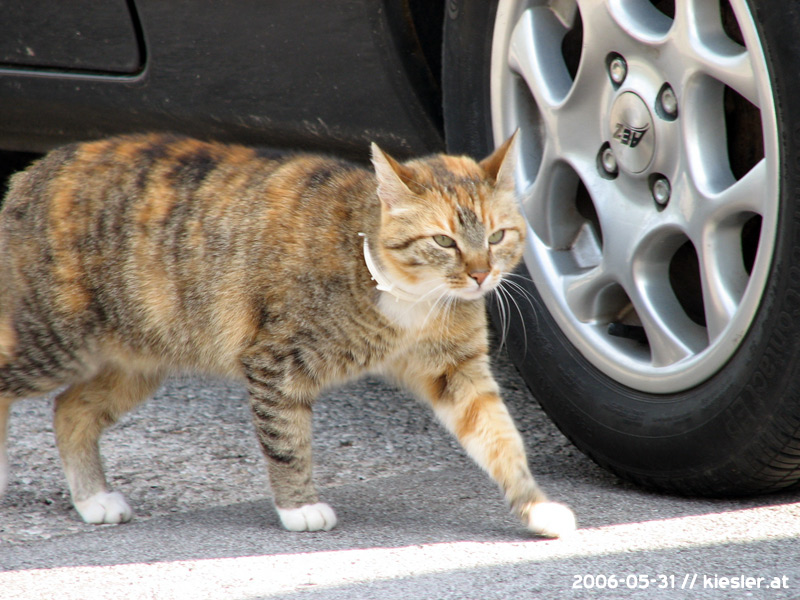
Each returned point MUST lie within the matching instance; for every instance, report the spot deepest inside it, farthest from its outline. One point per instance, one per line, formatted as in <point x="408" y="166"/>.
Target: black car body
<point x="331" y="76"/>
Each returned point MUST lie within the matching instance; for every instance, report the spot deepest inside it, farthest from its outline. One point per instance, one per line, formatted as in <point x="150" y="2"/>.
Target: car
<point x="656" y="316"/>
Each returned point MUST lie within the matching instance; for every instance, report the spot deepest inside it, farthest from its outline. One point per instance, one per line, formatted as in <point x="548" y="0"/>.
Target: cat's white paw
<point x="551" y="519"/>
<point x="105" y="507"/>
<point x="311" y="517"/>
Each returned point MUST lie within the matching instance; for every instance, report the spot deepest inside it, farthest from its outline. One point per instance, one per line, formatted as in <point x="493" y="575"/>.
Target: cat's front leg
<point x="465" y="398"/>
<point x="283" y="426"/>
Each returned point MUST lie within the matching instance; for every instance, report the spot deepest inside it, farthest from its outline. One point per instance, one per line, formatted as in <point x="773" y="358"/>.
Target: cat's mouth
<point x="474" y="290"/>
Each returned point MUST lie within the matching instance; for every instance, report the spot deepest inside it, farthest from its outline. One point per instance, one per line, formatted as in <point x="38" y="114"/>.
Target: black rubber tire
<point x="739" y="431"/>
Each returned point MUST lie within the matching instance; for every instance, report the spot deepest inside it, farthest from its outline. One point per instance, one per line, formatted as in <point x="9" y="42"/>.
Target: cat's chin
<point x="475" y="294"/>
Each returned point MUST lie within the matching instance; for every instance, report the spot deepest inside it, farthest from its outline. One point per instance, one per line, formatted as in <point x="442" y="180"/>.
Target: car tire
<point x="662" y="338"/>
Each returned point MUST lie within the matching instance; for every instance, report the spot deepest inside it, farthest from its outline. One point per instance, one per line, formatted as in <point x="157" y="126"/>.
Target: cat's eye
<point x="497" y="236"/>
<point x="444" y="241"/>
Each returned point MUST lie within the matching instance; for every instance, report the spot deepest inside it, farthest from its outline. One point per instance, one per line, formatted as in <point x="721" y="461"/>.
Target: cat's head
<point x="449" y="225"/>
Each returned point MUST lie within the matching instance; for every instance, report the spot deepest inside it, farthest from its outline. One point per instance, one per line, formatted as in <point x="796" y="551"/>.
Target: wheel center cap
<point x="633" y="137"/>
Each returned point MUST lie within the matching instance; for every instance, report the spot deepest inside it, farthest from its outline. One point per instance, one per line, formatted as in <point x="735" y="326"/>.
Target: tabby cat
<point x="127" y="259"/>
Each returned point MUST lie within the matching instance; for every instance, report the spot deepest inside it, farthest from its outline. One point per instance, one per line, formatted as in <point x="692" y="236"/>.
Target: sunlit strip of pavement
<point x="262" y="576"/>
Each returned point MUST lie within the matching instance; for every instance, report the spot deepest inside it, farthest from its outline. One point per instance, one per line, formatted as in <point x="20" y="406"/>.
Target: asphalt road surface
<point x="416" y="518"/>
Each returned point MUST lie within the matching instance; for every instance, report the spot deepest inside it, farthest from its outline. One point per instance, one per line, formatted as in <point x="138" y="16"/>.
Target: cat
<point x="127" y="259"/>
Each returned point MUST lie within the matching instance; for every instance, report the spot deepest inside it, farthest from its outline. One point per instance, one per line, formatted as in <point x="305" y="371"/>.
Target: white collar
<point x="381" y="279"/>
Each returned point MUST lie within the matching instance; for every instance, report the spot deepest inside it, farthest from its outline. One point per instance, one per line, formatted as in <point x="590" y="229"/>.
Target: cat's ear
<point x="390" y="175"/>
<point x="499" y="165"/>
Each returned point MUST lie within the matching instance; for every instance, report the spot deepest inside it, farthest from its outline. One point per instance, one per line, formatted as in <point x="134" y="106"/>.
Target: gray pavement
<point x="416" y="518"/>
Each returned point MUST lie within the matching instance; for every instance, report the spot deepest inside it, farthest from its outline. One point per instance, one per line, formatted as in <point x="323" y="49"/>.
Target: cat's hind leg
<point x="82" y="412"/>
<point x="5" y="409"/>
<point x="7" y="343"/>
<point x="283" y="426"/>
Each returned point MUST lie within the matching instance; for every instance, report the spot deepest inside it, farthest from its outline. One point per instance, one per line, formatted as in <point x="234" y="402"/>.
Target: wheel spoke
<point x="535" y="54"/>
<point x="698" y="25"/>
<point x="671" y="334"/>
<point x="638" y="255"/>
<point x="593" y="295"/>
<point x="551" y="218"/>
<point x="723" y="277"/>
<point x="704" y="142"/>
<point x="734" y="71"/>
<point x="574" y="121"/>
<point x="719" y="242"/>
<point x="746" y="195"/>
<point x="744" y="198"/>
<point x="640" y="20"/>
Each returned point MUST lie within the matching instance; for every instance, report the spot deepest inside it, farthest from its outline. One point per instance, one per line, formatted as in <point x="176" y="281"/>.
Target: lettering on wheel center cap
<point x="633" y="138"/>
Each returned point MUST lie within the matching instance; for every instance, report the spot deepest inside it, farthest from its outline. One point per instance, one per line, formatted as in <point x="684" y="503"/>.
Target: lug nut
<point x="618" y="70"/>
<point x="608" y="161"/>
<point x="669" y="102"/>
<point x="662" y="190"/>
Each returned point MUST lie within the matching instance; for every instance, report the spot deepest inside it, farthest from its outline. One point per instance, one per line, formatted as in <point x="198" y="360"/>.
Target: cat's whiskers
<point x="510" y="299"/>
<point x="434" y="305"/>
<point x="502" y="308"/>
<point x="408" y="313"/>
<point x="533" y="302"/>
<point x="505" y="293"/>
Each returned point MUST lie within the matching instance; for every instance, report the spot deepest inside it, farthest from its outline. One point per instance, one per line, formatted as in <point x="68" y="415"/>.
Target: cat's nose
<point x="479" y="276"/>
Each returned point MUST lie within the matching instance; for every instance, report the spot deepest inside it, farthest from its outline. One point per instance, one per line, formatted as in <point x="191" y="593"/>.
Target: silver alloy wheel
<point x="650" y="238"/>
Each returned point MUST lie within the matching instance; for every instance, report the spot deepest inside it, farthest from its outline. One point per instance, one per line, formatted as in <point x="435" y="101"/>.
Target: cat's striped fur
<point x="127" y="259"/>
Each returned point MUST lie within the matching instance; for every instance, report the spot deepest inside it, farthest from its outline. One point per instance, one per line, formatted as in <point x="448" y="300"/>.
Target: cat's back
<point x="152" y="179"/>
<point x="179" y="242"/>
<point x="180" y="200"/>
